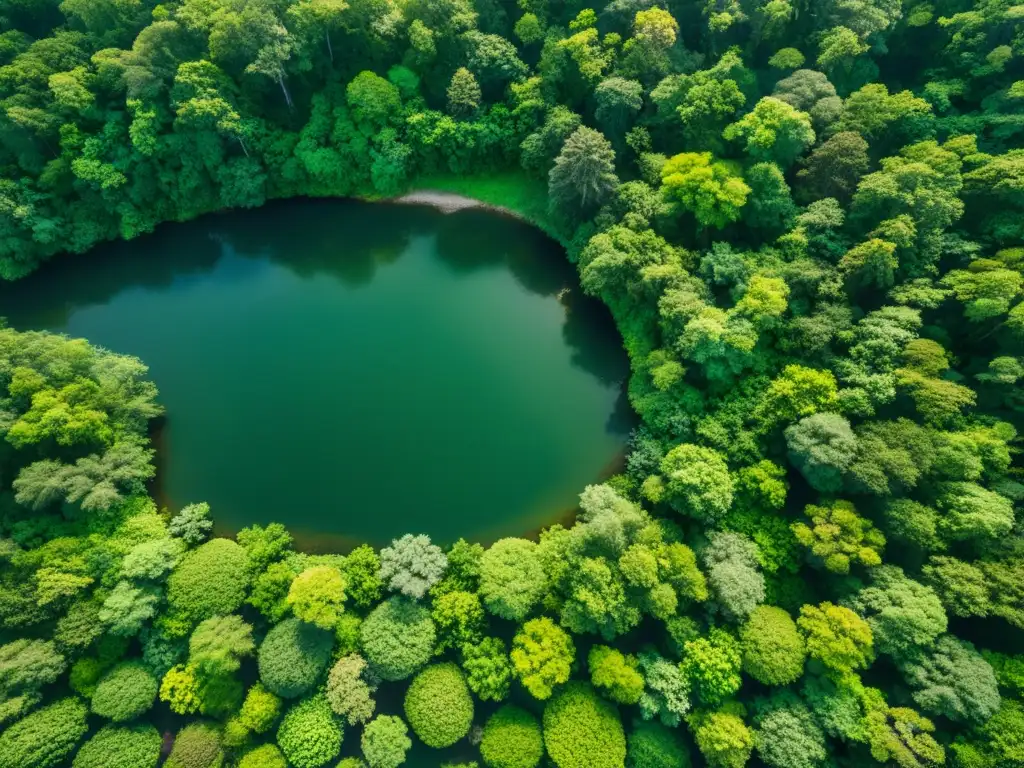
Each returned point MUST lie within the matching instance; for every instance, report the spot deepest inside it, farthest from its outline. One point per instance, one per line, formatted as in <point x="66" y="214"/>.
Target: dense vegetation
<point x="807" y="219"/>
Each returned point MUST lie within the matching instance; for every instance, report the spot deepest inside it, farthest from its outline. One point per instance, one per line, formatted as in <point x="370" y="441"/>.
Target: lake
<point x="356" y="371"/>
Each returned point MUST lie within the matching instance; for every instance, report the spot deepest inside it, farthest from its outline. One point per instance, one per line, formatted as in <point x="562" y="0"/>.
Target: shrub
<point x="438" y="705"/>
<point x="349" y="692"/>
<point x="397" y="638"/>
<point x="266" y="756"/>
<point x="385" y="742"/>
<point x="512" y="578"/>
<point x="260" y="709"/>
<point x="196" y="746"/>
<point x="136" y="746"/>
<point x="512" y="739"/>
<point x="293" y="657"/>
<point x="45" y="738"/>
<point x="126" y="692"/>
<point x="582" y="730"/>
<point x="652" y="745"/>
<point x="317" y="595"/>
<point x="309" y="735"/>
<point x="210" y="581"/>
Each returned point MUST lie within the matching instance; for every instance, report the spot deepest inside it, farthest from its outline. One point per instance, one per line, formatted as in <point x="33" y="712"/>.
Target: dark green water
<point x="356" y="371"/>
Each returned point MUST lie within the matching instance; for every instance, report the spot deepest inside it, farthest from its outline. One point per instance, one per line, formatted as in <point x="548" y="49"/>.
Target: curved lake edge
<point x="540" y="243"/>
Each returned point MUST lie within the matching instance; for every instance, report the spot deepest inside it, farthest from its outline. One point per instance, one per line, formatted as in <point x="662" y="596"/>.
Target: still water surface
<point x="356" y="371"/>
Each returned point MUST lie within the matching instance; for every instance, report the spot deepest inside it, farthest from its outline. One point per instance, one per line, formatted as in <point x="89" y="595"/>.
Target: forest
<point x="807" y="219"/>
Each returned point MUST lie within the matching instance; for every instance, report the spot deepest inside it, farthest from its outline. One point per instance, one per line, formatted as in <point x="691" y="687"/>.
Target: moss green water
<point x="356" y="371"/>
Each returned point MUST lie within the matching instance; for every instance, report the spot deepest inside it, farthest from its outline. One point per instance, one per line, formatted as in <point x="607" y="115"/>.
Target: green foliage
<point x="438" y="705"/>
<point x="385" y="742"/>
<point x="412" y="565"/>
<point x="773" y="650"/>
<point x="309" y="735"/>
<point x="836" y="636"/>
<point x="723" y="738"/>
<point x="265" y="756"/>
<point x="217" y="645"/>
<point x="583" y="176"/>
<point x="196" y="746"/>
<point x="838" y="536"/>
<point x="317" y="596"/>
<point x="125" y="692"/>
<point x="542" y="656"/>
<point x="652" y="745"/>
<point x="136" y="746"/>
<point x="712" y="190"/>
<point x="616" y="674"/>
<point x="397" y="638"/>
<point x="512" y="739"/>
<point x="512" y="578"/>
<point x="46" y="737"/>
<point x="350" y="687"/>
<point x="293" y="657"/>
<point x="210" y="581"/>
<point x="488" y="668"/>
<point x="582" y="730"/>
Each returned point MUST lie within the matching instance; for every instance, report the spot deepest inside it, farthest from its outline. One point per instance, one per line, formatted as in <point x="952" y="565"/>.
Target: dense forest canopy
<point x="807" y="219"/>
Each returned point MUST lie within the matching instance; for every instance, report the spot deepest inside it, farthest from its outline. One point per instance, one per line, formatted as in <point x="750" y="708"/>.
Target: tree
<point x="773" y="650"/>
<point x="125" y="692"/>
<point x="618" y="101"/>
<point x="362" y="576"/>
<point x="953" y="680"/>
<point x="616" y="674"/>
<point x="210" y="581"/>
<point x="836" y="636"/>
<point x="583" y="176"/>
<point x="293" y="657"/>
<point x="582" y="730"/>
<point x="736" y="583"/>
<point x="192" y="524"/>
<point x="28" y="665"/>
<point x="218" y="645"/>
<point x="512" y="739"/>
<point x="512" y="578"/>
<point x="46" y="737"/>
<point x="264" y="756"/>
<point x="412" y="565"/>
<point x="961" y="586"/>
<point x="438" y="705"/>
<point x="773" y="132"/>
<point x="712" y="665"/>
<point x="459" y="619"/>
<point x="197" y="745"/>
<point x="652" y="745"/>
<point x="309" y="736"/>
<point x="350" y="688"/>
<point x="488" y="668"/>
<point x="542" y="656"/>
<point x="838" y="536"/>
<point x="317" y="595"/>
<point x="397" y="638"/>
<point x="136" y="746"/>
<point x="723" y="739"/>
<point x="903" y="614"/>
<point x="463" y="93"/>
<point x="151" y="560"/>
<point x="970" y="512"/>
<point x="712" y="190"/>
<point x="834" y="168"/>
<point x="385" y="742"/>
<point x="373" y="101"/>
<point x="822" y="446"/>
<point x="696" y="482"/>
<point x="787" y="735"/>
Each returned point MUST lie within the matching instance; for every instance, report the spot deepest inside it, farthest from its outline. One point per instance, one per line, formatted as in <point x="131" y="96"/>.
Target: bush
<point x="582" y="730"/>
<point x="512" y="739"/>
<point x="210" y="581"/>
<point x="46" y="737"/>
<point x="397" y="638"/>
<point x="652" y="745"/>
<point x="266" y="756"/>
<point x="309" y="735"/>
<point x="196" y="746"/>
<point x="136" y="746"/>
<point x="126" y="692"/>
<point x="438" y="705"/>
<point x="293" y="657"/>
<point x="385" y="742"/>
<point x="512" y="578"/>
